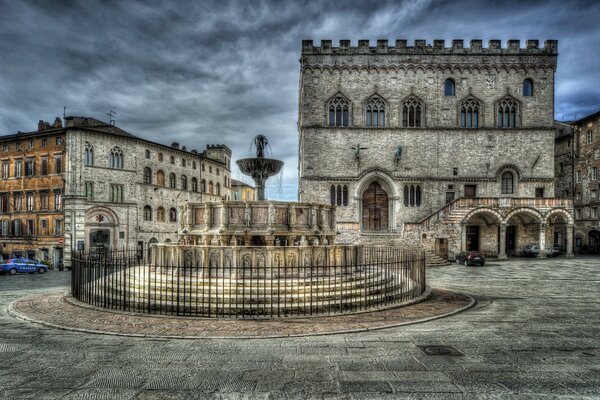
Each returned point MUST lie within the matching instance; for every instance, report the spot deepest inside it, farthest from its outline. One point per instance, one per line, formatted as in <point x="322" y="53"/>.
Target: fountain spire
<point x="259" y="168"/>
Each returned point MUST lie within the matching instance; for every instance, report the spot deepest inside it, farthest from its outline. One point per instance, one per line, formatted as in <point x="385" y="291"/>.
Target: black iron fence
<point x="249" y="285"/>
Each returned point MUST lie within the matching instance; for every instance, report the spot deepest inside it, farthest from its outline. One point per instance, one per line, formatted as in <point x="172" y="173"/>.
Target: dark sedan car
<point x="470" y="258"/>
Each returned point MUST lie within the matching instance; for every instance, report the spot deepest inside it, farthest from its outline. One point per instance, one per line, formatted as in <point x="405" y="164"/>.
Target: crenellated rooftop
<point x="420" y="46"/>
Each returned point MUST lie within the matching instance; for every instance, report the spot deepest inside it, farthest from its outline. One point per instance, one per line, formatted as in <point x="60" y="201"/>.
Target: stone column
<point x="502" y="252"/>
<point x="463" y="237"/>
<point x="542" y="241"/>
<point x="570" y="228"/>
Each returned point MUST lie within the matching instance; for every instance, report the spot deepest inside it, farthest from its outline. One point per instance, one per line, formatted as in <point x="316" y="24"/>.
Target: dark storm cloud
<point x="221" y="72"/>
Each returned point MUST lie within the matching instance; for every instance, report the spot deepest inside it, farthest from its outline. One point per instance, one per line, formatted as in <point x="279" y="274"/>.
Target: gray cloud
<point x="221" y="72"/>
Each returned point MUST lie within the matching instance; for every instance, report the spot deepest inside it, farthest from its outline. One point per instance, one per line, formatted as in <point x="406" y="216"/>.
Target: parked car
<point x="14" y="265"/>
<point x="470" y="258"/>
<point x="532" y="250"/>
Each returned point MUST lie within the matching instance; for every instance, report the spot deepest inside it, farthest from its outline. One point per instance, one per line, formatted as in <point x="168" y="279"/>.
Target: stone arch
<point x="505" y="167"/>
<point x="567" y="215"/>
<point x="526" y="210"/>
<point x="480" y="211"/>
<point x="101" y="225"/>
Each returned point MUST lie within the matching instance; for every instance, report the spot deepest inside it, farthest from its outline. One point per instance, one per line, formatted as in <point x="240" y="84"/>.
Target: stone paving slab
<point x="57" y="309"/>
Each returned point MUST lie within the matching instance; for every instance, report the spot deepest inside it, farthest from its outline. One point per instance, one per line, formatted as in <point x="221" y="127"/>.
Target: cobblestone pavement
<point x="534" y="334"/>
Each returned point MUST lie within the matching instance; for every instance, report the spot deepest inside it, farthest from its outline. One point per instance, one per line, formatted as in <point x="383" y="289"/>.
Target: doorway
<point x="58" y="258"/>
<point x="594" y="242"/>
<point x="375" y="208"/>
<point x="100" y="239"/>
<point x="511" y="240"/>
<point x="441" y="248"/>
<point x="472" y="237"/>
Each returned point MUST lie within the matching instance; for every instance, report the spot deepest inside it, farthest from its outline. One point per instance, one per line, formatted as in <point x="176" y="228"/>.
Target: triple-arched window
<point x="470" y="111"/>
<point x="411" y="112"/>
<point x="338" y="195"/>
<point x="147" y="175"/>
<point x="116" y="158"/>
<point x="412" y="195"/>
<point x="339" y="111"/>
<point x="375" y="113"/>
<point x="89" y="154"/>
<point x="507" y="186"/>
<point x="172" y="180"/>
<point x="507" y="113"/>
<point x="527" y="87"/>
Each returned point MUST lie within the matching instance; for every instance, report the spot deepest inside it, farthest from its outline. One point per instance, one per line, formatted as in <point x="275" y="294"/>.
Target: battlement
<point x="218" y="147"/>
<point x="420" y="46"/>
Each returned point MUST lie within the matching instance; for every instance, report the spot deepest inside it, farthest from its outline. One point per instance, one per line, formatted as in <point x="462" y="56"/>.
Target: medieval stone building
<point x="449" y="147"/>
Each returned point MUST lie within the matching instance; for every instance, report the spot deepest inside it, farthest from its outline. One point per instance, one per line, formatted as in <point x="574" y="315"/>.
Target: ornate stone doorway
<point x="99" y="239"/>
<point x="375" y="208"/>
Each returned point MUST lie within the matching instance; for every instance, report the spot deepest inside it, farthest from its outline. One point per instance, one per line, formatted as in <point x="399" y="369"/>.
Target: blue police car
<point x="14" y="265"/>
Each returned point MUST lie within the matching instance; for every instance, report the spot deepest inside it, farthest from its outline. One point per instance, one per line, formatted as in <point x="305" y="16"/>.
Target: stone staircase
<point x="396" y="239"/>
<point x="432" y="260"/>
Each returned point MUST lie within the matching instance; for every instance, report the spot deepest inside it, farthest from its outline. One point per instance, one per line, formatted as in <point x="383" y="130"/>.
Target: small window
<point x="594" y="173"/>
<point x="44" y="166"/>
<point x="172" y="160"/>
<point x="184" y="184"/>
<point x="58" y="200"/>
<point x="507" y="183"/>
<point x="147" y="153"/>
<point x="183" y="162"/>
<point x="528" y="87"/>
<point x="147" y="175"/>
<point x="210" y="169"/>
<point x="89" y="154"/>
<point x="412" y="195"/>
<point x="203" y="186"/>
<point x="89" y="190"/>
<point x="31" y="144"/>
<point x="160" y="157"/>
<point x="172" y="180"/>
<point x="5" y="147"/>
<point x="147" y="213"/>
<point x="202" y="167"/>
<point x="218" y="172"/>
<point x="193" y="164"/>
<point x="449" y="87"/>
<point x="58" y="164"/>
<point x="590" y="137"/>
<point x="172" y="215"/>
<point x="194" y="184"/>
<point x="17" y="146"/>
<point x="539" y="192"/>
<point x="59" y="140"/>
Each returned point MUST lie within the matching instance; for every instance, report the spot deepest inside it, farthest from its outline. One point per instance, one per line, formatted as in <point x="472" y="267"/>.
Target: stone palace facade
<point x="448" y="147"/>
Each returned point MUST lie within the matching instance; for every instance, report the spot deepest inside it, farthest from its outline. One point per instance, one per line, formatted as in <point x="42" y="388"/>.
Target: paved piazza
<point x="534" y="334"/>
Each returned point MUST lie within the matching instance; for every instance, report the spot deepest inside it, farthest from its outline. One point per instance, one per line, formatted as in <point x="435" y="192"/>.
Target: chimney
<point x="41" y="125"/>
<point x="58" y="123"/>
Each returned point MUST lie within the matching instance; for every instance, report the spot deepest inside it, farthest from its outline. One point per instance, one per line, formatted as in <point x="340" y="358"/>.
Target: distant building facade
<point x="447" y="147"/>
<point x="242" y="191"/>
<point x="586" y="138"/>
<point x="31" y="193"/>
<point x="89" y="185"/>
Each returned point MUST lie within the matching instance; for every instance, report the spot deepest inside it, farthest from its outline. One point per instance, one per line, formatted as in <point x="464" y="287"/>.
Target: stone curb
<point x="19" y="315"/>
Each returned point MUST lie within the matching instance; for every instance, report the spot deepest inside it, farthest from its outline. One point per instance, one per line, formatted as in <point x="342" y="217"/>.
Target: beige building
<point x="451" y="147"/>
<point x="242" y="191"/>
<point x="31" y="194"/>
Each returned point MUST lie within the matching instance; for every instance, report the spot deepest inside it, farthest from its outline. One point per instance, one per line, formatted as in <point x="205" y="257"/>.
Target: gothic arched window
<point x="172" y="180"/>
<point x="160" y="214"/>
<point x="160" y="178"/>
<point x="203" y="185"/>
<point x="411" y="113"/>
<point x="375" y="113"/>
<point x="89" y="154"/>
<point x="147" y="175"/>
<point x="116" y="158"/>
<point x="507" y="183"/>
<point x="449" y="87"/>
<point x="172" y="215"/>
<point x="147" y="213"/>
<point x="527" y="87"/>
<point x="469" y="113"/>
<point x="507" y="113"/>
<point x="183" y="182"/>
<point x="194" y="184"/>
<point x="339" y="111"/>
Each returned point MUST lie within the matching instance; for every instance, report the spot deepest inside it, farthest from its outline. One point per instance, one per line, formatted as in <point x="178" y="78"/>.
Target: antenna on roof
<point x="111" y="115"/>
<point x="64" y="112"/>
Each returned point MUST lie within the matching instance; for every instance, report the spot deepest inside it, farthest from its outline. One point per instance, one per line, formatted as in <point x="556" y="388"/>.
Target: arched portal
<point x="594" y="241"/>
<point x="375" y="208"/>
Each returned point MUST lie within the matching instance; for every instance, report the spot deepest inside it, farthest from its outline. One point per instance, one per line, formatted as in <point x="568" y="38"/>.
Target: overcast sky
<point x="203" y="72"/>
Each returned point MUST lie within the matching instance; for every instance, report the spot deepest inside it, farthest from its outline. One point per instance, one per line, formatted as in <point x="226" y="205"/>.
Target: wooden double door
<point x="375" y="208"/>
